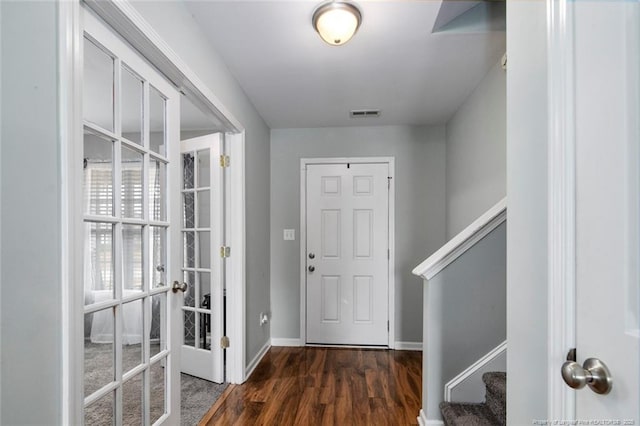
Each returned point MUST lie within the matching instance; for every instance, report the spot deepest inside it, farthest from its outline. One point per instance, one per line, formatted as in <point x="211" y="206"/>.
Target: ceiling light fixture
<point x="337" y="22"/>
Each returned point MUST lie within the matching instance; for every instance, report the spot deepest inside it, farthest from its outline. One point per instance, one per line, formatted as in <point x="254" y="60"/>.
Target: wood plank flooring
<point x="325" y="386"/>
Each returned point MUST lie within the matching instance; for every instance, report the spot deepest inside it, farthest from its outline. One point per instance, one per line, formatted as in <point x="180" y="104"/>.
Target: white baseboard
<point x="408" y="346"/>
<point x="423" y="421"/>
<point x="256" y="359"/>
<point x="275" y="341"/>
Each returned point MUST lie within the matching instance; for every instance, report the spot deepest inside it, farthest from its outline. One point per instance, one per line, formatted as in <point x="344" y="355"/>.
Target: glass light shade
<point x="336" y="22"/>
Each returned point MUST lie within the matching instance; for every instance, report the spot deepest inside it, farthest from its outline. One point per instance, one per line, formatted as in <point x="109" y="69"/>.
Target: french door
<point x="203" y="236"/>
<point x="131" y="246"/>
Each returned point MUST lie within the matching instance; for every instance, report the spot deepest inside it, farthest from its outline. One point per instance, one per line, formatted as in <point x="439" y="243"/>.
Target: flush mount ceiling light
<point x="336" y="22"/>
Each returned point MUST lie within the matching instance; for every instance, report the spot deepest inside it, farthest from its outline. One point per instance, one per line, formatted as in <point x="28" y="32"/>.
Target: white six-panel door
<point x="131" y="242"/>
<point x="347" y="291"/>
<point x="202" y="231"/>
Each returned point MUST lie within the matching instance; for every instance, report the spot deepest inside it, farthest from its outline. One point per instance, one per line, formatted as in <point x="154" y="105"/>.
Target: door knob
<point x="178" y="286"/>
<point x="312" y="255"/>
<point x="312" y="268"/>
<point x="593" y="373"/>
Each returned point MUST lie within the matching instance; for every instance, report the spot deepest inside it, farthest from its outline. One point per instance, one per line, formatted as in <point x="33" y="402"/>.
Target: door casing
<point x="390" y="161"/>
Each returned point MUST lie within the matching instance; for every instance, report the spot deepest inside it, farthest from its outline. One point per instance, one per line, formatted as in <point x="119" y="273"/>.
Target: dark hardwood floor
<point x="325" y="386"/>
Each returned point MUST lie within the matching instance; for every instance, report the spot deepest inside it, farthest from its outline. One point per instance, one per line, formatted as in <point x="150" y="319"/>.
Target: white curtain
<point x="98" y="260"/>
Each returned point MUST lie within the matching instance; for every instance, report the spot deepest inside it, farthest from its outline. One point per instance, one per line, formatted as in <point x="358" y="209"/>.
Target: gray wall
<point x="527" y="212"/>
<point x="466" y="302"/>
<point x="420" y="210"/>
<point x="477" y="152"/>
<point x="31" y="330"/>
<point x="177" y="27"/>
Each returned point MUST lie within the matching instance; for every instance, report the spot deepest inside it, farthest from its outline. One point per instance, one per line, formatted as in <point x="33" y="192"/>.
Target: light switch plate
<point x="289" y="234"/>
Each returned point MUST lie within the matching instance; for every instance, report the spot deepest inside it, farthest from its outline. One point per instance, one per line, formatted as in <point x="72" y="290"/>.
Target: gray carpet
<point x="197" y="395"/>
<point x="492" y="412"/>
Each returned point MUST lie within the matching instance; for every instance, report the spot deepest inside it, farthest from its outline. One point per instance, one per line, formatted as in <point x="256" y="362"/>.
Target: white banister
<point x="459" y="244"/>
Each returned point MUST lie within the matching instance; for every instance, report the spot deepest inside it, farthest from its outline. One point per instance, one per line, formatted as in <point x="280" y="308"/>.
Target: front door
<point x="347" y="226"/>
<point x="607" y="215"/>
<point x="131" y="243"/>
<point x="202" y="232"/>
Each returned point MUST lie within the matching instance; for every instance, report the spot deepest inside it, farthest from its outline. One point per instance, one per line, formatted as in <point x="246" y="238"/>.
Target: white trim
<point x="236" y="264"/>
<point x="390" y="161"/>
<point x="286" y="343"/>
<point x="423" y="421"/>
<point x="407" y="346"/>
<point x="561" y="285"/>
<point x="70" y="122"/>
<point x="256" y="359"/>
<point x="462" y="242"/>
<point x="471" y="370"/>
<point x="128" y="22"/>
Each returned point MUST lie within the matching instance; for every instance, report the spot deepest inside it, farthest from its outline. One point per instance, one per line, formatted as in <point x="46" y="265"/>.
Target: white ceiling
<point x="394" y="62"/>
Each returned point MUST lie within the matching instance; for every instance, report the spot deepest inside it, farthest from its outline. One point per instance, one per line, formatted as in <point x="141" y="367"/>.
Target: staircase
<point x="492" y="412"/>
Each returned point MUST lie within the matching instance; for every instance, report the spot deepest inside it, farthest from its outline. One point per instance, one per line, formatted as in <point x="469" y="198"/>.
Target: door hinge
<point x="389" y="182"/>
<point x="387" y="325"/>
<point x="388" y="254"/>
<point x="225" y="161"/>
<point x="225" y="251"/>
<point x="224" y="342"/>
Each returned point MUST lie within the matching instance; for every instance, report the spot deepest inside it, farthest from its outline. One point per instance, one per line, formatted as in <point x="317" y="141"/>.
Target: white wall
<point x="477" y="152"/>
<point x="177" y="27"/>
<point x="527" y="211"/>
<point x="31" y="333"/>
<point x="420" y="210"/>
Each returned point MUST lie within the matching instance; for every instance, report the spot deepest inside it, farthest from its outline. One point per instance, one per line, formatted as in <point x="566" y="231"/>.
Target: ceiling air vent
<point x="363" y="113"/>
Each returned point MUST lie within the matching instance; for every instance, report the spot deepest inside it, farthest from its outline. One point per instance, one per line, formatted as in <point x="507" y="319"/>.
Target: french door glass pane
<point x="204" y="249"/>
<point x="132" y="236"/>
<point x="132" y="194"/>
<point x="98" y="175"/>
<point x="158" y="261"/>
<point x="189" y="212"/>
<point x="189" y="328"/>
<point x="98" y="87"/>
<point x="190" y="294"/>
<point x="205" y="331"/>
<point x="158" y="331"/>
<point x="157" y="400"/>
<point x="132" y="325"/>
<point x="99" y="268"/>
<point x="204" y="168"/>
<point x="99" y="357"/>
<point x="204" y="209"/>
<point x="157" y="183"/>
<point x="188" y="170"/>
<point x="101" y="412"/>
<point x="204" y="287"/>
<point x="132" y="398"/>
<point x="131" y="106"/>
<point x="189" y="244"/>
<point x="157" y="107"/>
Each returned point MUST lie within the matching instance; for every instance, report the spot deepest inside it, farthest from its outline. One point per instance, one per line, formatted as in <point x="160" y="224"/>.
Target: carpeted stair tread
<point x="496" y="382"/>
<point x="496" y="396"/>
<point x="462" y="414"/>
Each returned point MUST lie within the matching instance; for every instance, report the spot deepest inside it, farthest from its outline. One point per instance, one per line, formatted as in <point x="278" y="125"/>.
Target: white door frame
<point x="123" y="17"/>
<point x="561" y="202"/>
<point x="390" y="161"/>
